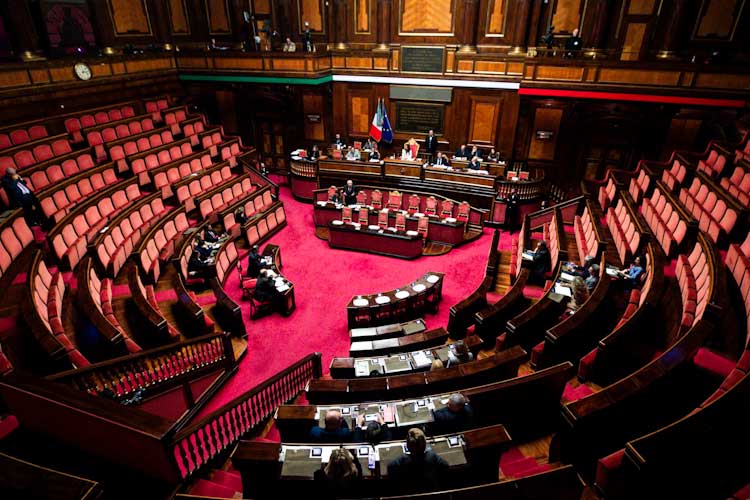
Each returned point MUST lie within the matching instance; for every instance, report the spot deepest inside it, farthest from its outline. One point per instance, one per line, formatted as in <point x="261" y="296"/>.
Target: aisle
<point x="325" y="280"/>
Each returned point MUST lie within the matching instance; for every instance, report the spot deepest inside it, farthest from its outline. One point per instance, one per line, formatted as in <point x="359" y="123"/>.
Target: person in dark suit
<point x="254" y="262"/>
<point x="457" y="416"/>
<point x="421" y="469"/>
<point x="211" y="235"/>
<point x="441" y="160"/>
<point x="494" y="155"/>
<point x="265" y="290"/>
<point x="314" y="153"/>
<point x="541" y="263"/>
<point x="430" y="145"/>
<point x="374" y="153"/>
<point x="374" y="433"/>
<point x="338" y="141"/>
<point x="511" y="211"/>
<point x="20" y="195"/>
<point x="350" y="193"/>
<point x="573" y="44"/>
<point x="341" y="476"/>
<point x="336" y="429"/>
<point x="199" y="259"/>
<point x="462" y="152"/>
<point x="475" y="163"/>
<point x="475" y="152"/>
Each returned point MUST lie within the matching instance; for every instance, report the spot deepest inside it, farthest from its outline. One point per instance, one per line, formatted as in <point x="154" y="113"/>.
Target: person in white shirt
<point x="290" y="46"/>
<point x="353" y="154"/>
<point x="406" y="152"/>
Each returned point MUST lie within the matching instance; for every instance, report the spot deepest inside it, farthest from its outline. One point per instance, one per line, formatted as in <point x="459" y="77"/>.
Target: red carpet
<point x="325" y="280"/>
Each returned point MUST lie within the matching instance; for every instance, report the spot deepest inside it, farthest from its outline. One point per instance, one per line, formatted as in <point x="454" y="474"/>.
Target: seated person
<point x="457" y="416"/>
<point x="406" y="152"/>
<point x="580" y="294"/>
<point x="374" y="153"/>
<point x="199" y="260"/>
<point x="289" y="45"/>
<point x="632" y="274"/>
<point x="336" y="429"/>
<point x="265" y="289"/>
<point x="239" y="216"/>
<point x="541" y="263"/>
<point x="353" y="154"/>
<point x="340" y="477"/>
<point x="582" y="271"/>
<point x="440" y="160"/>
<point x="461" y="354"/>
<point x="212" y="234"/>
<point x="475" y="151"/>
<point x="374" y="433"/>
<point x="254" y="262"/>
<point x="462" y="152"/>
<point x="370" y="145"/>
<point x="338" y="142"/>
<point x="593" y="277"/>
<point x="436" y="365"/>
<point x="493" y="155"/>
<point x="419" y="470"/>
<point x="475" y="163"/>
<point x="314" y="153"/>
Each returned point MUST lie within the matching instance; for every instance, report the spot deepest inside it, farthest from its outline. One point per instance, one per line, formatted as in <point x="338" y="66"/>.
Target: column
<point x="340" y="24"/>
<point x="384" y="24"/>
<point x="672" y="25"/>
<point x="520" y="28"/>
<point x="596" y="38"/>
<point x="469" y="26"/>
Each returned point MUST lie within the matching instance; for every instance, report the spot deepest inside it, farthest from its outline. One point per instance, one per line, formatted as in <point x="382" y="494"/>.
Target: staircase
<point x="221" y="484"/>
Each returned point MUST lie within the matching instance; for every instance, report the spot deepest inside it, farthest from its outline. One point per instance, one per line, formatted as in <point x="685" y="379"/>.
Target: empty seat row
<point x="693" y="277"/>
<point x="39" y="153"/>
<point x="42" y="177"/>
<point x="211" y="141"/>
<point x="226" y="258"/>
<point x="259" y="203"/>
<point x="265" y="225"/>
<point x="150" y="301"/>
<point x="625" y="233"/>
<point x="230" y="152"/>
<point x="714" y="215"/>
<point x="119" y="152"/>
<point x="738" y="185"/>
<point x="607" y="194"/>
<point x="665" y="221"/>
<point x="69" y="240"/>
<point x="228" y="194"/>
<point x="197" y="186"/>
<point x="155" y="160"/>
<point x="587" y="238"/>
<point x="15" y="237"/>
<point x="98" y="139"/>
<point x="713" y="165"/>
<point x="100" y="292"/>
<point x="165" y="180"/>
<point x="59" y="203"/>
<point x="22" y="136"/>
<point x="157" y="106"/>
<point x="674" y="176"/>
<point x="192" y="129"/>
<point x="159" y="245"/>
<point x="744" y="152"/>
<point x="173" y="119"/>
<point x="48" y="289"/>
<point x="74" y="125"/>
<point x="639" y="185"/>
<point x="115" y="246"/>
<point x="738" y="264"/>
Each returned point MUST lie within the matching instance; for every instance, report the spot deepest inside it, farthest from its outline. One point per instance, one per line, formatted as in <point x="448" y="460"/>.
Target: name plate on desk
<point x="419" y="118"/>
<point x="422" y="59"/>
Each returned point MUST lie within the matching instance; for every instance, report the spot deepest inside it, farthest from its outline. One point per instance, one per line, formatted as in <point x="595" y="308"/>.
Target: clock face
<point x="82" y="71"/>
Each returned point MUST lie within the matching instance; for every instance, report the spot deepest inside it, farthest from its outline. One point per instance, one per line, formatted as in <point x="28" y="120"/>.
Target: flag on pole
<point x="386" y="132"/>
<point x="376" y="128"/>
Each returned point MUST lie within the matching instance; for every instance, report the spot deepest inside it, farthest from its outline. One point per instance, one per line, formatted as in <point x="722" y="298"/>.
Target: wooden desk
<point x="526" y="405"/>
<point x="408" y="302"/>
<point x="377" y="241"/>
<point x="285" y="470"/>
<point x="387" y="331"/>
<point x="419" y="359"/>
<point x="288" y="304"/>
<point x="411" y="342"/>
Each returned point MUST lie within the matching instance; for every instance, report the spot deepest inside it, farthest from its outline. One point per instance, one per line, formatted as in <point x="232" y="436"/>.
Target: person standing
<point x="350" y="193"/>
<point x="511" y="210"/>
<point x="309" y="47"/>
<point x="573" y="44"/>
<point x="430" y="145"/>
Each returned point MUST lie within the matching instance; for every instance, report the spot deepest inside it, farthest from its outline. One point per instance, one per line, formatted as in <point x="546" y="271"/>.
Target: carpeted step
<point x="231" y="480"/>
<point x="206" y="488"/>
<point x="8" y="424"/>
<point x="518" y="467"/>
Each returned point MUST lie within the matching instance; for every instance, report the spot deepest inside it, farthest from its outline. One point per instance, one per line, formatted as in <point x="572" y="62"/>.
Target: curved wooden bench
<point x="412" y="342"/>
<point x="491" y="321"/>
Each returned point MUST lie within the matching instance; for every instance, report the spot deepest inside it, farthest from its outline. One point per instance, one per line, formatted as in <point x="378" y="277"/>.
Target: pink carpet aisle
<point x="324" y="281"/>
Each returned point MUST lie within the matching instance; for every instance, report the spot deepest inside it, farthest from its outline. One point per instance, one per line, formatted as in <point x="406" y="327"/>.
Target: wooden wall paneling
<point x="314" y="12"/>
<point x="130" y="17"/>
<point x="485" y="113"/>
<point x="261" y="6"/>
<point x="359" y="114"/>
<point x="633" y="42"/>
<point x="547" y="119"/>
<point x="179" y="19"/>
<point x="567" y="15"/>
<point x="718" y="19"/>
<point x="20" y="26"/>
<point x="363" y="16"/>
<point x="312" y="106"/>
<point x="436" y="17"/>
<point x="218" y="17"/>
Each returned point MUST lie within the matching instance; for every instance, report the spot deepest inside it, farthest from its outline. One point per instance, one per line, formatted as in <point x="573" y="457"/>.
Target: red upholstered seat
<point x="713" y="362"/>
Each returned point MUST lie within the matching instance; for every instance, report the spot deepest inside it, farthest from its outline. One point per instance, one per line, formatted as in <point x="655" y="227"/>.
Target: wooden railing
<point x="198" y="444"/>
<point x="155" y="370"/>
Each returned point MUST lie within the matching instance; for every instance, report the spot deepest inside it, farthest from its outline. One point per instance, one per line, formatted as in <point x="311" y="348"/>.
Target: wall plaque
<point x="422" y="59"/>
<point x="419" y="118"/>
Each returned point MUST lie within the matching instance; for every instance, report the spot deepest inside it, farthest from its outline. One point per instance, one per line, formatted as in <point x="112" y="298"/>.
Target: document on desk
<point x="363" y="367"/>
<point x="612" y="272"/>
<point x="527" y="255"/>
<point x="421" y="360"/>
<point x="563" y="290"/>
<point x="567" y="276"/>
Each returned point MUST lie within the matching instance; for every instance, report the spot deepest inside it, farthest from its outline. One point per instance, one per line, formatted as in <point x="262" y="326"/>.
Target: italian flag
<point x="376" y="128"/>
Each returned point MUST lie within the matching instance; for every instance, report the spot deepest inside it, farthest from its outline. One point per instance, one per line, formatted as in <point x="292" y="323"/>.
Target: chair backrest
<point x="423" y="225"/>
<point x="377" y="199"/>
<point x="331" y="192"/>
<point x="364" y="216"/>
<point x="346" y="214"/>
<point x="394" y="200"/>
<point x="383" y="219"/>
<point x="430" y="206"/>
<point x="362" y="198"/>
<point x="401" y="222"/>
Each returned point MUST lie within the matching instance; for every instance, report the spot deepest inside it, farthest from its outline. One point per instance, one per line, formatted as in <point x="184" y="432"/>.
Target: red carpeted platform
<point x="325" y="280"/>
